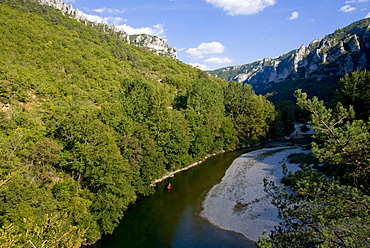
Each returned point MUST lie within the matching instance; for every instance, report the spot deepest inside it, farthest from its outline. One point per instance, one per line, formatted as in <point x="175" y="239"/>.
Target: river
<point x="170" y="218"/>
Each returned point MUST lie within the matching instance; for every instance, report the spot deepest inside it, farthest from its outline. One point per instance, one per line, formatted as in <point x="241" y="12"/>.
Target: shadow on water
<point x="171" y="218"/>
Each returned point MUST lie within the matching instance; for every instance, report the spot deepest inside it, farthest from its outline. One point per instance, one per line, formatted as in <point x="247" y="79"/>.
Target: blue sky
<point x="212" y="34"/>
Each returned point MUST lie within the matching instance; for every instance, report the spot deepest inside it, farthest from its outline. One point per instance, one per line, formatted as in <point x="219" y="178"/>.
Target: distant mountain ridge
<point x="320" y="64"/>
<point x="148" y="42"/>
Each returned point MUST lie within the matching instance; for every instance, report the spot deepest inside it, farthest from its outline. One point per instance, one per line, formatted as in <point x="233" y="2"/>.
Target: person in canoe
<point x="169" y="186"/>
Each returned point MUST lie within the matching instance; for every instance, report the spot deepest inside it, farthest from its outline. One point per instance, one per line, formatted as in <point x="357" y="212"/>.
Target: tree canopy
<point x="88" y="122"/>
<point x="330" y="205"/>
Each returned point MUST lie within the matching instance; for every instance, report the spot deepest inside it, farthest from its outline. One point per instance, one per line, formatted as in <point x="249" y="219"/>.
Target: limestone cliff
<point x="154" y="44"/>
<point x="344" y="51"/>
<point x="150" y="43"/>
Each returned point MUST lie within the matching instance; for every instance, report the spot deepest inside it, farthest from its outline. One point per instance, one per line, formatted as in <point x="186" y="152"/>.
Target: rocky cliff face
<point x="150" y="43"/>
<point x="153" y="44"/>
<point x="344" y="51"/>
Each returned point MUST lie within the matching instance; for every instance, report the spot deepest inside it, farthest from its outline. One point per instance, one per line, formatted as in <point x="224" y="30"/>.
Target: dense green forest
<point x="330" y="206"/>
<point x="88" y="122"/>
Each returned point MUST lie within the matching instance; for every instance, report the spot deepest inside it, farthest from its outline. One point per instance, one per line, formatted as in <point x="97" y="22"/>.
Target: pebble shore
<point x="239" y="203"/>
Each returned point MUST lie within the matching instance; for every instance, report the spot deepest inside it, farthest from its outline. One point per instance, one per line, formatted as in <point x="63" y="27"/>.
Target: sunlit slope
<point x="88" y="122"/>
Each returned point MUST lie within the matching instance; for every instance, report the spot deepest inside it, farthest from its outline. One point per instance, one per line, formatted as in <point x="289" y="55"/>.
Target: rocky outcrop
<point x="344" y="51"/>
<point x="150" y="43"/>
<point x="153" y="44"/>
<point x="64" y="8"/>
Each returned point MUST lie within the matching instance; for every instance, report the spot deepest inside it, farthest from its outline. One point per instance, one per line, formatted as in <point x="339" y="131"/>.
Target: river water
<point x="170" y="218"/>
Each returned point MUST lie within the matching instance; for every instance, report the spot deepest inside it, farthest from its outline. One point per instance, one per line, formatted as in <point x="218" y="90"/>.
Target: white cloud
<point x="368" y="15"/>
<point x="156" y="30"/>
<point x="294" y="15"/>
<point x="347" y="8"/>
<point x="205" y="48"/>
<point x="241" y="7"/>
<point x="109" y="20"/>
<point x="108" y="10"/>
<point x="218" y="60"/>
<point x="357" y="1"/>
<point x="197" y="65"/>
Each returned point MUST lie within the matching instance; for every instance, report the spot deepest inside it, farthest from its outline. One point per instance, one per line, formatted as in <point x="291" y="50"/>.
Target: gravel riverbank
<point x="239" y="203"/>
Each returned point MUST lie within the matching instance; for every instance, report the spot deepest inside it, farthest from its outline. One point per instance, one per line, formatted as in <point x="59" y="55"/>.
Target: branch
<point x="10" y="176"/>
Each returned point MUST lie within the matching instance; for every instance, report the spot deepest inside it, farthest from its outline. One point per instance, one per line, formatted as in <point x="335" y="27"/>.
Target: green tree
<point x="284" y="122"/>
<point x="202" y="140"/>
<point x="355" y="91"/>
<point x="30" y="229"/>
<point x="345" y="141"/>
<point x="176" y="148"/>
<point x="252" y="115"/>
<point x="329" y="208"/>
<point x="92" y="155"/>
<point x="147" y="163"/>
<point x="205" y="112"/>
<point x="322" y="213"/>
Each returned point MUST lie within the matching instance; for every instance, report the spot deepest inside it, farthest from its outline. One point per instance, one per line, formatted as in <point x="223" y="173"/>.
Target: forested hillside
<point x="88" y="122"/>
